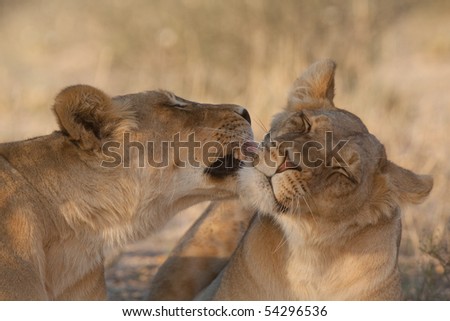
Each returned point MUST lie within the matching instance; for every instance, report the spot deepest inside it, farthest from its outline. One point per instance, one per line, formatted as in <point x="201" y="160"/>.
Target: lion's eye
<point x="306" y="123"/>
<point x="179" y="105"/>
<point x="173" y="101"/>
<point x="345" y="173"/>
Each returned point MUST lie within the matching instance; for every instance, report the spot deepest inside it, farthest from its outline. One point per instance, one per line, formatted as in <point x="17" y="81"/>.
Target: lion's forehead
<point x="331" y="130"/>
<point x="152" y="97"/>
<point x="338" y="121"/>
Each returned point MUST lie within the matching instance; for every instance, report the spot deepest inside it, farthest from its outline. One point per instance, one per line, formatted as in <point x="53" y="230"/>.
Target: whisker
<point x="282" y="242"/>
<point x="261" y="124"/>
<point x="310" y="209"/>
<point x="298" y="205"/>
<point x="312" y="199"/>
<point x="293" y="206"/>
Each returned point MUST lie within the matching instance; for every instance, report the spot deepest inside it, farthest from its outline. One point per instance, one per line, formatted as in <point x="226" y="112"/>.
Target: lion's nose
<point x="244" y="113"/>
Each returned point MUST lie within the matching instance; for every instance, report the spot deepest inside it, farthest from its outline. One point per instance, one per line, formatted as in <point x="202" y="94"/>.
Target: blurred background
<point x="393" y="71"/>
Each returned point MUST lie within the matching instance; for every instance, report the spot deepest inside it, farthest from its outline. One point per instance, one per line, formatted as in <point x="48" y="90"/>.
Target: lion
<point x="326" y="203"/>
<point x="67" y="197"/>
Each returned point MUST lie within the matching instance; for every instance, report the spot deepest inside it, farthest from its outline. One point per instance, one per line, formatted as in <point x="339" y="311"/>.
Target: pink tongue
<point x="250" y="147"/>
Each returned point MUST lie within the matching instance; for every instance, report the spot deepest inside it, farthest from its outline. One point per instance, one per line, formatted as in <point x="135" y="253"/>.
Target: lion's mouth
<point x="224" y="166"/>
<point x="233" y="161"/>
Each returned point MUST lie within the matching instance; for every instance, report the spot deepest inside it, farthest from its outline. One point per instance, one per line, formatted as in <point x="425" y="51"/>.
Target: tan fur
<point x="203" y="251"/>
<point x="60" y="208"/>
<point x="325" y="232"/>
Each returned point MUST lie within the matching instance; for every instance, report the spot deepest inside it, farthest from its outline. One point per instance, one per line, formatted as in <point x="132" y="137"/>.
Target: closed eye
<point x="344" y="172"/>
<point x="307" y="123"/>
<point x="175" y="105"/>
<point x="179" y="105"/>
<point x="174" y="101"/>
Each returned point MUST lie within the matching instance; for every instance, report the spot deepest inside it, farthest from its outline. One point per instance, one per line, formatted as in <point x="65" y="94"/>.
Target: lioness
<point x="66" y="196"/>
<point x="327" y="203"/>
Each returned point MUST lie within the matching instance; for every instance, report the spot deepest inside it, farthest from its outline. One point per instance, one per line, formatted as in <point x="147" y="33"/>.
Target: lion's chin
<point x="255" y="191"/>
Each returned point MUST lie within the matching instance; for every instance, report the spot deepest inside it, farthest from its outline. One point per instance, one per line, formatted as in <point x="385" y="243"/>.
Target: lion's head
<point x="159" y="149"/>
<point x="321" y="162"/>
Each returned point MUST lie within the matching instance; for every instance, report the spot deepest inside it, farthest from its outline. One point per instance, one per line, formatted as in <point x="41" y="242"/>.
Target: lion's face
<point x="199" y="144"/>
<point x="312" y="160"/>
<point x="319" y="161"/>
<point x="165" y="143"/>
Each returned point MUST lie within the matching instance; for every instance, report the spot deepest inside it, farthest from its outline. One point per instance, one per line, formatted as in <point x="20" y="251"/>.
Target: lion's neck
<point x="256" y="270"/>
<point x="354" y="263"/>
<point x="96" y="206"/>
<point x="85" y="208"/>
<point x="89" y="200"/>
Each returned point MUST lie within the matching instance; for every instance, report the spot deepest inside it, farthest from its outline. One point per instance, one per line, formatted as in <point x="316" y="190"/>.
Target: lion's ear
<point x="90" y="117"/>
<point x="407" y="186"/>
<point x="314" y="88"/>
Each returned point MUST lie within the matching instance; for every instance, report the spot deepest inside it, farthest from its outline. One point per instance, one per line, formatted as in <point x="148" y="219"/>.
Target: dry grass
<point x="393" y="72"/>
